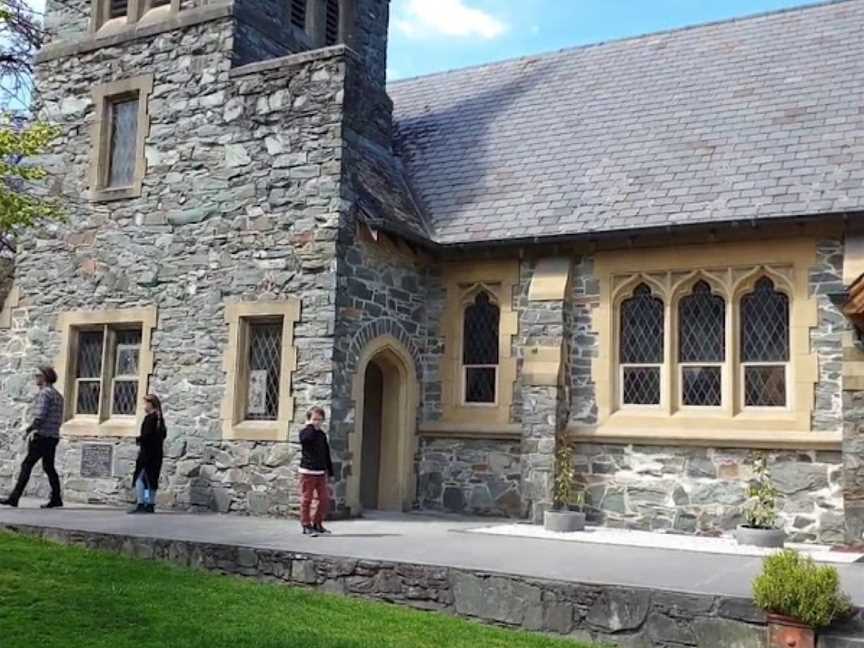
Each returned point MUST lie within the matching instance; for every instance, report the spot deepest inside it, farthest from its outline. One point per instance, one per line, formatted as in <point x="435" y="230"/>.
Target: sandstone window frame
<point x="463" y="282"/>
<point x="731" y="269"/>
<point x="104" y="424"/>
<point x="137" y="12"/>
<point x="238" y="317"/>
<point x="105" y="96"/>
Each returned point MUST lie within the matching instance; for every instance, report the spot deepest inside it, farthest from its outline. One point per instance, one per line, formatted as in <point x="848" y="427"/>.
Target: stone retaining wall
<point x="626" y="617"/>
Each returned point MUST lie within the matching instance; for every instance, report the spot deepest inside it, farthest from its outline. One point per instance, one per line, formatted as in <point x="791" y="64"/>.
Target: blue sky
<point x="433" y="35"/>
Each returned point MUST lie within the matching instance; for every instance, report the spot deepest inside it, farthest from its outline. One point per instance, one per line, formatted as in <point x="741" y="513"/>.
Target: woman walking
<point x="150" y="453"/>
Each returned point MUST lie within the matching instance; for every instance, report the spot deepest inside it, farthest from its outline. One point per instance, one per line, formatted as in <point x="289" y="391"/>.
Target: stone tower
<point x="205" y="164"/>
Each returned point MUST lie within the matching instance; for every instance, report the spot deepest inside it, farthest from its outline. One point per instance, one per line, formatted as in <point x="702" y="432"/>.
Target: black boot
<point x="139" y="508"/>
<point x="149" y="508"/>
<point x="54" y="503"/>
<point x="9" y="501"/>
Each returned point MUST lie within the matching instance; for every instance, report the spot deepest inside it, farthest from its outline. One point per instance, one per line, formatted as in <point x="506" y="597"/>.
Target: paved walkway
<point x="438" y="541"/>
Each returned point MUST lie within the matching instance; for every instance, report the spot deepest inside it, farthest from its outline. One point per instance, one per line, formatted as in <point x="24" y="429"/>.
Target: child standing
<point x="315" y="467"/>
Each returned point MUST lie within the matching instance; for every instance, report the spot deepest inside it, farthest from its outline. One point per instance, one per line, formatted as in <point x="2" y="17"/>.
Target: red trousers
<point x="313" y="487"/>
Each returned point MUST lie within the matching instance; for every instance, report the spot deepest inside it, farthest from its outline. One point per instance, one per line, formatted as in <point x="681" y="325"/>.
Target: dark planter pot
<point x="768" y="538"/>
<point x="563" y="521"/>
<point x="785" y="632"/>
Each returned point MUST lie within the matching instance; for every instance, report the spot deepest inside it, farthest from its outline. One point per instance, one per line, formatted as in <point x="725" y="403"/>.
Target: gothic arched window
<point x="480" y="352"/>
<point x="701" y="346"/>
<point x="765" y="345"/>
<point x="641" y="349"/>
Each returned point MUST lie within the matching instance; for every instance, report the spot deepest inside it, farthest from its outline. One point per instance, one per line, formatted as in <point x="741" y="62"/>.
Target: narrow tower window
<point x="331" y="32"/>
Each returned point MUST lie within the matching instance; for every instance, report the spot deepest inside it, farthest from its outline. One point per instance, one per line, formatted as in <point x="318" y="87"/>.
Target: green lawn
<point x="71" y="598"/>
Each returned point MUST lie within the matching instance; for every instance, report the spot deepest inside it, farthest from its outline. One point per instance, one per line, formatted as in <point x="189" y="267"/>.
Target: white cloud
<point x="424" y="18"/>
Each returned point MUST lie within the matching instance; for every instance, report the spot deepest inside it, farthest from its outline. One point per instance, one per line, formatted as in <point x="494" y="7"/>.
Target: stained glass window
<point x="265" y="370"/>
<point x="641" y="350"/>
<point x="480" y="352"/>
<point x="765" y="345"/>
<point x="701" y="346"/>
<point x="123" y="142"/>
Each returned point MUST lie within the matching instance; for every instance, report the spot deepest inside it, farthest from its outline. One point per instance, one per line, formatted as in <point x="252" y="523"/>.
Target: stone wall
<point x="381" y="292"/>
<point x="264" y="31"/>
<point x="473" y="476"/>
<point x="826" y="278"/>
<point x="699" y="490"/>
<point x="625" y="617"/>
<point x="241" y="201"/>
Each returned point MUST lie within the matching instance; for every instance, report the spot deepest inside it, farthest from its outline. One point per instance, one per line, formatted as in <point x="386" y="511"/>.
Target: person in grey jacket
<point x="47" y="419"/>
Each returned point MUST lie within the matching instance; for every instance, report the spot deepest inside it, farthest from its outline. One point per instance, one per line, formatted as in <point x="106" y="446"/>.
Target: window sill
<point x="456" y="430"/>
<point x="108" y="195"/>
<point x="258" y="431"/>
<point x="717" y="438"/>
<point x="83" y="426"/>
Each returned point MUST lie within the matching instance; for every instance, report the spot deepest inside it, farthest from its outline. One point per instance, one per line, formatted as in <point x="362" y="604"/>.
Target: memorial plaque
<point x="97" y="460"/>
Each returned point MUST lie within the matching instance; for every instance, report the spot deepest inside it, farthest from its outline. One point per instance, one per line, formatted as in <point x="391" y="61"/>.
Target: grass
<point x="66" y="597"/>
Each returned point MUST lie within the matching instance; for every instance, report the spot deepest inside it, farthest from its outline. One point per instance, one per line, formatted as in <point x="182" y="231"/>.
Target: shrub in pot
<point x="800" y="598"/>
<point x="566" y="515"/>
<point x="760" y="511"/>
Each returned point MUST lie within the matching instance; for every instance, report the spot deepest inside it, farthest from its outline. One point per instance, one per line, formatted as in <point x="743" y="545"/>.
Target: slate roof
<point x="747" y="119"/>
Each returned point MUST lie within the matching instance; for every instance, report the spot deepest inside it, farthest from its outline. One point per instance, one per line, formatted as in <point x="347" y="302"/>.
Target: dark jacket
<point x="316" y="450"/>
<point x="150" y="451"/>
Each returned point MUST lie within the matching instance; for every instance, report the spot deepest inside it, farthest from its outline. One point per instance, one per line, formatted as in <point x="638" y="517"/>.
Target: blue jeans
<point x="142" y="491"/>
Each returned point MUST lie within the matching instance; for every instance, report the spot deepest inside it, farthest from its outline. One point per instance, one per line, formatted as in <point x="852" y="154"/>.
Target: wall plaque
<point x="97" y="460"/>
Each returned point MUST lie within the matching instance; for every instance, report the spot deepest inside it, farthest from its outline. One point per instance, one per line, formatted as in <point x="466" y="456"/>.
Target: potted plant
<point x="566" y="515"/>
<point x="800" y="597"/>
<point x="760" y="512"/>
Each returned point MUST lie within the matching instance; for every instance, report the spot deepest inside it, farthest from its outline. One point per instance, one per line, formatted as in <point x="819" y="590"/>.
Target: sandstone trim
<point x="237" y="316"/>
<point x="140" y="87"/>
<point x="187" y="18"/>
<point x="67" y="322"/>
<point x="696" y="437"/>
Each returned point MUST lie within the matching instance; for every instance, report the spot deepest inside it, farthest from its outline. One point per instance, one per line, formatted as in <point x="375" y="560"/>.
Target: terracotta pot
<point x="785" y="632"/>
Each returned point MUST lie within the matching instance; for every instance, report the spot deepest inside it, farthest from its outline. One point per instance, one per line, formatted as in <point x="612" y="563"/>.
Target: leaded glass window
<point x="106" y="371"/>
<point x="641" y="347"/>
<point x="124" y="394"/>
<point x="298" y="13"/>
<point x="480" y="350"/>
<point x="88" y="374"/>
<point x="264" y="370"/>
<point x="123" y="142"/>
<point x="764" y="345"/>
<point x="331" y="31"/>
<point x="118" y="8"/>
<point x="701" y="346"/>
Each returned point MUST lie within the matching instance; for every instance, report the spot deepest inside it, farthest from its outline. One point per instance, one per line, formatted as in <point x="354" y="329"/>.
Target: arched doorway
<point x="383" y="443"/>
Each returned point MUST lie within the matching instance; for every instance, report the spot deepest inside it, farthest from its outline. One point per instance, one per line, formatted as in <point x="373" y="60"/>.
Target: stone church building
<point x="647" y="249"/>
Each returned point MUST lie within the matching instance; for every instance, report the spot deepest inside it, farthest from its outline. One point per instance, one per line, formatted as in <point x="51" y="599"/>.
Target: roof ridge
<point x="673" y="30"/>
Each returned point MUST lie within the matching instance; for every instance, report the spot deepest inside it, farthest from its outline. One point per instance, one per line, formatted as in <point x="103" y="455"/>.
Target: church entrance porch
<point x="383" y="442"/>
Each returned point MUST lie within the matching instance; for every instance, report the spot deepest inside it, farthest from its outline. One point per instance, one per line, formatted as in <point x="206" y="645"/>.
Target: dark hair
<point x="48" y="374"/>
<point x="153" y="399"/>
<point x="315" y="410"/>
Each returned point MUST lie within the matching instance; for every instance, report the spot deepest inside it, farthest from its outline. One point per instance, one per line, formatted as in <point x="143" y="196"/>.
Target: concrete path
<point x="438" y="541"/>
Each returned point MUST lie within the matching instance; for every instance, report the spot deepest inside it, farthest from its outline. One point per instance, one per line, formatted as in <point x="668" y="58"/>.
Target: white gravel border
<point x="653" y="540"/>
